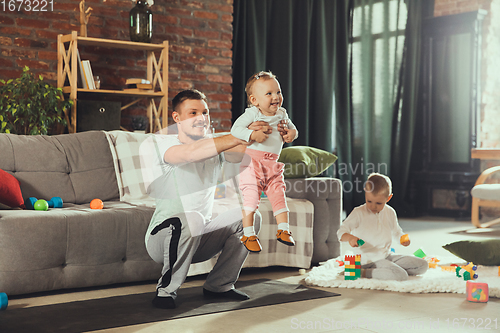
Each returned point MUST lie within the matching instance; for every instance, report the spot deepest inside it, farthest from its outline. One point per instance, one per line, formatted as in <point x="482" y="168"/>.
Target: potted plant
<point x="139" y="123"/>
<point x="31" y="106"/>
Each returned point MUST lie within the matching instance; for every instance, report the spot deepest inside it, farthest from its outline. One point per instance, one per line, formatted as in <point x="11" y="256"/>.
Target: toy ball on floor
<point x="41" y="205"/>
<point x="96" y="204"/>
<point x="4" y="301"/>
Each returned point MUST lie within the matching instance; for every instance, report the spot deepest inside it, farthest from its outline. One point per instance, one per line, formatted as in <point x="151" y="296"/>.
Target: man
<point x="182" y="230"/>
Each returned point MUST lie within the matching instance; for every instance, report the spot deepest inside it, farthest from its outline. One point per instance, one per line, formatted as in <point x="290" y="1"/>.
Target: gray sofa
<point x="75" y="246"/>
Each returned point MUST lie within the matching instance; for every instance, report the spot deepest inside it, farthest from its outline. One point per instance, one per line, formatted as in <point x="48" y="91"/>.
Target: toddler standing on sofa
<point x="376" y="224"/>
<point x="263" y="172"/>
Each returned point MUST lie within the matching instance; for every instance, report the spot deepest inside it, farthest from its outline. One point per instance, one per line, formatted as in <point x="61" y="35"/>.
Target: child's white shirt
<point x="376" y="230"/>
<point x="274" y="142"/>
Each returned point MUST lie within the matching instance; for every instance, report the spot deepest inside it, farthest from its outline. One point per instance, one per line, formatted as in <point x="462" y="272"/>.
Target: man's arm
<point x="201" y="150"/>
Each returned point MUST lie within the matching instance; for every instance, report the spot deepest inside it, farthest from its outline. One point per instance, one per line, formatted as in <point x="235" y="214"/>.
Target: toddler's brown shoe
<point x="251" y="243"/>
<point x="285" y="237"/>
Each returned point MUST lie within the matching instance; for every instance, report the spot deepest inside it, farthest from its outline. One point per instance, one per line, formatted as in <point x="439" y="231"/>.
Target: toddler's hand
<point x="353" y="241"/>
<point x="405" y="240"/>
<point x="290" y="135"/>
<point x="259" y="136"/>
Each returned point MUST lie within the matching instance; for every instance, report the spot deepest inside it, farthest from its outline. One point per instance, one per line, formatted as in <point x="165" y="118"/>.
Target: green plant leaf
<point x="30" y="105"/>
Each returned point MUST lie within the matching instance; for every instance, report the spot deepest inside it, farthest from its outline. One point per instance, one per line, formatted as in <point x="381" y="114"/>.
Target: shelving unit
<point x="157" y="74"/>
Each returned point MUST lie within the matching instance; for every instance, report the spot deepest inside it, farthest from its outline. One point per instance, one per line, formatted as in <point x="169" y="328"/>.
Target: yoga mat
<point x="121" y="311"/>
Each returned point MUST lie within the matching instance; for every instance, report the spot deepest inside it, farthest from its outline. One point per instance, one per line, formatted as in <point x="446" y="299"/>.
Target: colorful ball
<point x="41" y="205"/>
<point x="96" y="204"/>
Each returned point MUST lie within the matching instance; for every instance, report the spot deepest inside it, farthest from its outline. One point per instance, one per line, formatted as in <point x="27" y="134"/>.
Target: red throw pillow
<point x="10" y="191"/>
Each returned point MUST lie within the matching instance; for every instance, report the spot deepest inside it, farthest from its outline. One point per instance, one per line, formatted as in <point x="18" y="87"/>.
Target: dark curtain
<point x="407" y="105"/>
<point x="303" y="42"/>
<point x="385" y="78"/>
<point x="306" y="43"/>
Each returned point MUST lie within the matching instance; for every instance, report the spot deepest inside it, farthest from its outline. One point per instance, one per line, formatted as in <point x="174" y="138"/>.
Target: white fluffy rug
<point x="435" y="280"/>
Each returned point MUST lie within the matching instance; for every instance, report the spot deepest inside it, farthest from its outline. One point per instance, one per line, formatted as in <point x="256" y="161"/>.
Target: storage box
<point x="98" y="115"/>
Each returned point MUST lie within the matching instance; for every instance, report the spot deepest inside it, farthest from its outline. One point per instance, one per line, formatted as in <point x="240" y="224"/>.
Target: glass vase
<point x="141" y="23"/>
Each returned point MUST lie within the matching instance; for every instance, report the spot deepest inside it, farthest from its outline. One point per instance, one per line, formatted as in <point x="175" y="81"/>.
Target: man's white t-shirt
<point x="184" y="187"/>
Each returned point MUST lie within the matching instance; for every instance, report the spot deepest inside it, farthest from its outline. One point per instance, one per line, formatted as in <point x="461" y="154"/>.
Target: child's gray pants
<point x="185" y="239"/>
<point x="395" y="267"/>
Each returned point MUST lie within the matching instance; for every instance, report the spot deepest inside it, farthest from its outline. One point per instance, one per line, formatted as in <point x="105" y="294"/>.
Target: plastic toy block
<point x="419" y="253"/>
<point x="467" y="271"/>
<point x="360" y="242"/>
<point x="405" y="238"/>
<point x="448" y="268"/>
<point x="432" y="262"/>
<point x="352" y="269"/>
<point x="349" y="259"/>
<point x="477" y="291"/>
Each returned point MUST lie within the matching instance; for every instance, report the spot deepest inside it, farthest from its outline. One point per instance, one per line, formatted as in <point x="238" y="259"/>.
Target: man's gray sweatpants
<point x="185" y="238"/>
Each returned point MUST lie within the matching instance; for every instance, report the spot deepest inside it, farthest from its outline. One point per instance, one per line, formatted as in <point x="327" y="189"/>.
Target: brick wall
<point x="199" y="32"/>
<point x="450" y="7"/>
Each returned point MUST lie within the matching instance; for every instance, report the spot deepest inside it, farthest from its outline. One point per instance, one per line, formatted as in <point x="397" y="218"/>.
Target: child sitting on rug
<point x="376" y="224"/>
<point x="263" y="172"/>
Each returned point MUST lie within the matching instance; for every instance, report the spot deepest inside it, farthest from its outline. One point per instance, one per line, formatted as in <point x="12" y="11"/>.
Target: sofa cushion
<point x="74" y="247"/>
<point x="76" y="167"/>
<point x="304" y="162"/>
<point x="485" y="252"/>
<point x="10" y="191"/>
<point x="126" y="158"/>
<point x="486" y="191"/>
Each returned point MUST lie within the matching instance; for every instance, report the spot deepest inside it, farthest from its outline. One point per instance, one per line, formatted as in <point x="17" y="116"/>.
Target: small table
<point x="485" y="153"/>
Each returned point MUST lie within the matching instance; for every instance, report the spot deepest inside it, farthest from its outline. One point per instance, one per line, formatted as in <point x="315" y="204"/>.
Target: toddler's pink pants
<point x="262" y="172"/>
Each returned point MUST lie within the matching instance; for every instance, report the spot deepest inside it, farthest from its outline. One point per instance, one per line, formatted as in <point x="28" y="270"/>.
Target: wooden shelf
<point x="119" y="44"/>
<point x="157" y="74"/>
<point x="67" y="90"/>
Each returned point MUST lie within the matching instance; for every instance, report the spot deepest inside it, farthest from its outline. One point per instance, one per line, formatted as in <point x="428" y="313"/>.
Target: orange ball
<point x="96" y="204"/>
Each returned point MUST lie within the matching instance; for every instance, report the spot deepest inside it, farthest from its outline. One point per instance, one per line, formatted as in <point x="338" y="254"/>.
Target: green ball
<point x="41" y="205"/>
